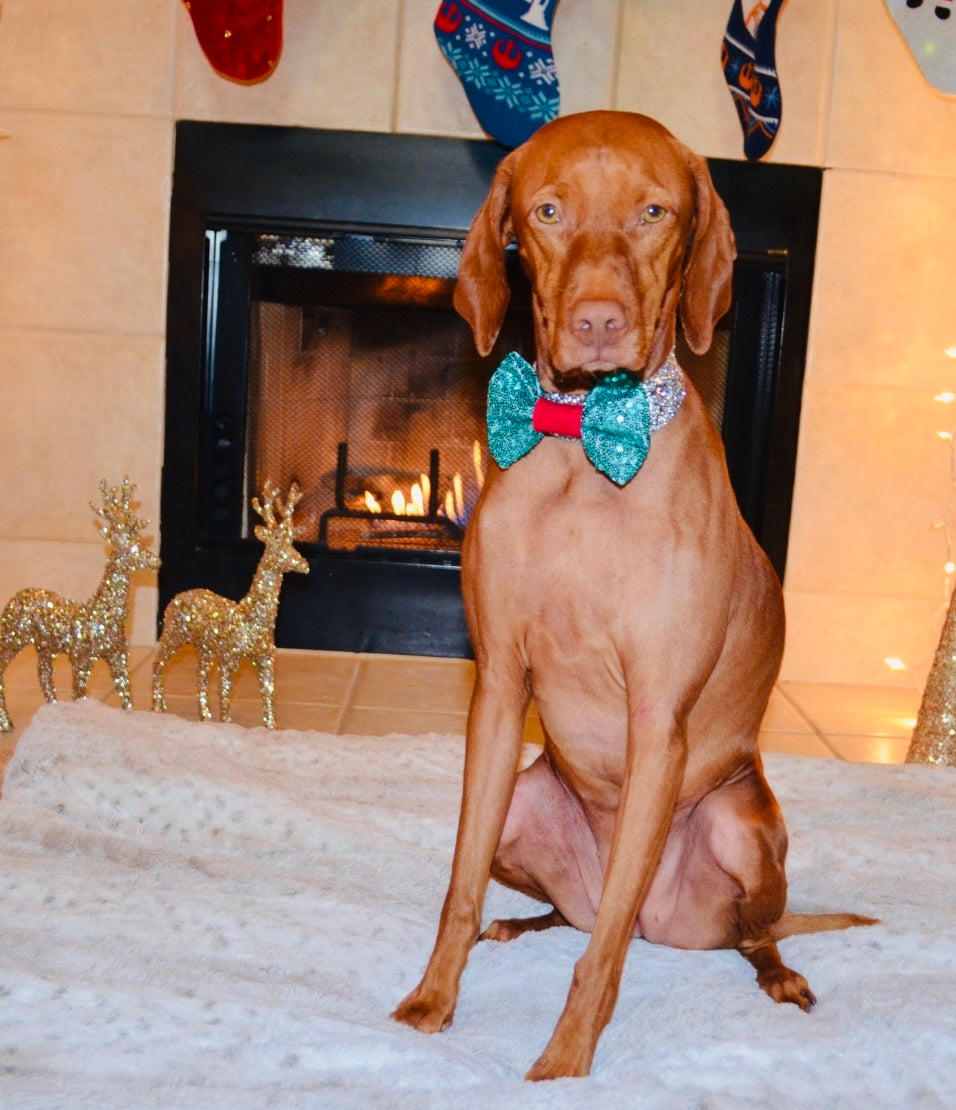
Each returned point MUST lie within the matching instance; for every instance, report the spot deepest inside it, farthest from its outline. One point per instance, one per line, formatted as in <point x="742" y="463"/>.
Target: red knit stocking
<point x="241" y="38"/>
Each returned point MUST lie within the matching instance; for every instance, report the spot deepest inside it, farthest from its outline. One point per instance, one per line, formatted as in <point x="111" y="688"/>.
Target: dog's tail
<point x="791" y="924"/>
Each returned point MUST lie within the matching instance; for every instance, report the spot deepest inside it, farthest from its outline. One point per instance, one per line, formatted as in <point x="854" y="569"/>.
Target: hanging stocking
<point x="928" y="28"/>
<point x="242" y="39"/>
<point x="748" y="58"/>
<point x="501" y="51"/>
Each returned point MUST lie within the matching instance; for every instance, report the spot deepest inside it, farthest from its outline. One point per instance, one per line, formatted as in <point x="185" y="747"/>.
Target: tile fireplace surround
<point x="310" y="277"/>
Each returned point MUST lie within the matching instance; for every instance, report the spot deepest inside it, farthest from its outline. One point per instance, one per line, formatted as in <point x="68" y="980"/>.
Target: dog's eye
<point x="653" y="214"/>
<point x="548" y="214"/>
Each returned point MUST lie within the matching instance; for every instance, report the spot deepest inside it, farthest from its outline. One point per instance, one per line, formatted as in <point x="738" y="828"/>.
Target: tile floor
<point x="376" y="694"/>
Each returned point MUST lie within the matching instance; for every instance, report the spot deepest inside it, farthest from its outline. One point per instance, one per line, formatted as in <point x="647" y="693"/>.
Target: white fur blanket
<point x="209" y="916"/>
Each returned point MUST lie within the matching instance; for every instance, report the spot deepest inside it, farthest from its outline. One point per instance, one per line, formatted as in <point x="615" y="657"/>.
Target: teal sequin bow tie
<point x="614" y="421"/>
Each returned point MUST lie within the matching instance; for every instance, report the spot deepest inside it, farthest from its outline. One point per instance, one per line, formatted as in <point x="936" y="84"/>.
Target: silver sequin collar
<point x="665" y="391"/>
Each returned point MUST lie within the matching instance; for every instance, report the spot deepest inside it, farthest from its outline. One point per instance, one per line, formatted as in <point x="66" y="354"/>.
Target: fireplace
<point x="311" y="338"/>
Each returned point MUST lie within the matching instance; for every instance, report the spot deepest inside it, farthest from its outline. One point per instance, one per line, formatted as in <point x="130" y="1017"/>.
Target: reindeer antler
<point x="117" y="510"/>
<point x="264" y="507"/>
<point x="271" y="500"/>
<point x="293" y="497"/>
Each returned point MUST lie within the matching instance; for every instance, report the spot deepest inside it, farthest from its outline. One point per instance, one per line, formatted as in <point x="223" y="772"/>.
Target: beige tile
<point x="185" y="706"/>
<point x="337" y="69"/>
<point x="144" y="607"/>
<point x="84" y="210"/>
<point x="670" y="69"/>
<point x="21" y="674"/>
<point x="303" y="717"/>
<point x="783" y="716"/>
<point x="21" y="671"/>
<point x="22" y="703"/>
<point x="845" y="638"/>
<point x="7" y="747"/>
<point x="870" y="749"/>
<point x="910" y="127"/>
<point x="414" y="683"/>
<point x="795" y="743"/>
<point x="320" y="677"/>
<point x="430" y="98"/>
<point x="359" y="721"/>
<point x="102" y="393"/>
<point x="89" y="56"/>
<point x="248" y="713"/>
<point x="872" y="477"/>
<point x="311" y="688"/>
<point x="873" y="711"/>
<point x="585" y="54"/>
<point x="881" y="313"/>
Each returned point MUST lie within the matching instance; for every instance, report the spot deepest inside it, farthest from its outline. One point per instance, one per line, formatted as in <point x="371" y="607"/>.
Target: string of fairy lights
<point x="944" y="525"/>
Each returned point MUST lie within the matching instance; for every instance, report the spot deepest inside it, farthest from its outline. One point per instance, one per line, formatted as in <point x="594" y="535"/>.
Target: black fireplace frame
<point x="297" y="180"/>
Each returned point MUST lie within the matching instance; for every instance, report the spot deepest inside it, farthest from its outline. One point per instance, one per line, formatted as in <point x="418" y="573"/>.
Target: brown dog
<point x="642" y="617"/>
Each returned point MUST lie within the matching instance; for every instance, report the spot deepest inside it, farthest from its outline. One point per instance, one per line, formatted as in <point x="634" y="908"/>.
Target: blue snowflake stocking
<point x="747" y="55"/>
<point x="501" y="52"/>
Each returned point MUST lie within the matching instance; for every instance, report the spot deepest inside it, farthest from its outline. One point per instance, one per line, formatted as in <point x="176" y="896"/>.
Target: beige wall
<point x="89" y="90"/>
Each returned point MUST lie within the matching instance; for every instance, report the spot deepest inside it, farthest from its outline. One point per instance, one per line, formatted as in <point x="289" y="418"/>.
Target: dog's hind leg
<point x="721" y="883"/>
<point x="509" y="928"/>
<point x="548" y="852"/>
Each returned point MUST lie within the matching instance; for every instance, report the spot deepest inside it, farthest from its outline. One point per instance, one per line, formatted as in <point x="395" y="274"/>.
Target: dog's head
<point x="618" y="227"/>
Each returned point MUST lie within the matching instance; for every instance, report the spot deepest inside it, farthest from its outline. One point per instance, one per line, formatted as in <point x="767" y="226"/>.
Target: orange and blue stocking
<point x="748" y="58"/>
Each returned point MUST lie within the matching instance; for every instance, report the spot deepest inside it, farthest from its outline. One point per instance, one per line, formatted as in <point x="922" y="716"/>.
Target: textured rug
<point x="210" y="916"/>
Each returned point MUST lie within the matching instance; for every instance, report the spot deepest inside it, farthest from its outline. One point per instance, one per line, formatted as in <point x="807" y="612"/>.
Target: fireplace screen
<point x="365" y="388"/>
<point x="311" y="338"/>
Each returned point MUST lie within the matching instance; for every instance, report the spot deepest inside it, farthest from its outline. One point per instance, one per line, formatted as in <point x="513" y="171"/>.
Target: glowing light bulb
<point x="895" y="664"/>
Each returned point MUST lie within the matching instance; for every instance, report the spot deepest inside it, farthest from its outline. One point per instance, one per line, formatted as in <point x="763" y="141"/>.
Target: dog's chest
<point x="570" y="568"/>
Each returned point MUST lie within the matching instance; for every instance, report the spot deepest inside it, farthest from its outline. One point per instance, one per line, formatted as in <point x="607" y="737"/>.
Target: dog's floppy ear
<point x="709" y="268"/>
<point x="482" y="293"/>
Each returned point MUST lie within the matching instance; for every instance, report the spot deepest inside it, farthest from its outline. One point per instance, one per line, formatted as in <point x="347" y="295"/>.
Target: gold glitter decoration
<point x="227" y="631"/>
<point x="934" y="738"/>
<point x="85" y="631"/>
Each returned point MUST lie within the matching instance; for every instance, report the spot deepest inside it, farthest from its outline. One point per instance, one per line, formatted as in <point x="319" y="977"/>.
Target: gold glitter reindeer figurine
<point x="85" y="631"/>
<point x="230" y="631"/>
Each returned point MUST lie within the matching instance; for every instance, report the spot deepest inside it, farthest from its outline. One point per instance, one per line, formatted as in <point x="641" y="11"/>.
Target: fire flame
<point x="415" y="503"/>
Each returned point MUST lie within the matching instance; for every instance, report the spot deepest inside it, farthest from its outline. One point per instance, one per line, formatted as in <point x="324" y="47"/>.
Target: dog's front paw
<point x="555" y="1065"/>
<point x="786" y="985"/>
<point x="425" y="1010"/>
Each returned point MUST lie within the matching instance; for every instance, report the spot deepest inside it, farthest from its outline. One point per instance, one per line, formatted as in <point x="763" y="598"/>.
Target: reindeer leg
<point x="5" y="723"/>
<point x="119" y="669"/>
<point x="82" y="669"/>
<point x="205" y="662"/>
<point x="227" y="671"/>
<point x="45" y="674"/>
<point x="265" y="668"/>
<point x="159" y="667"/>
